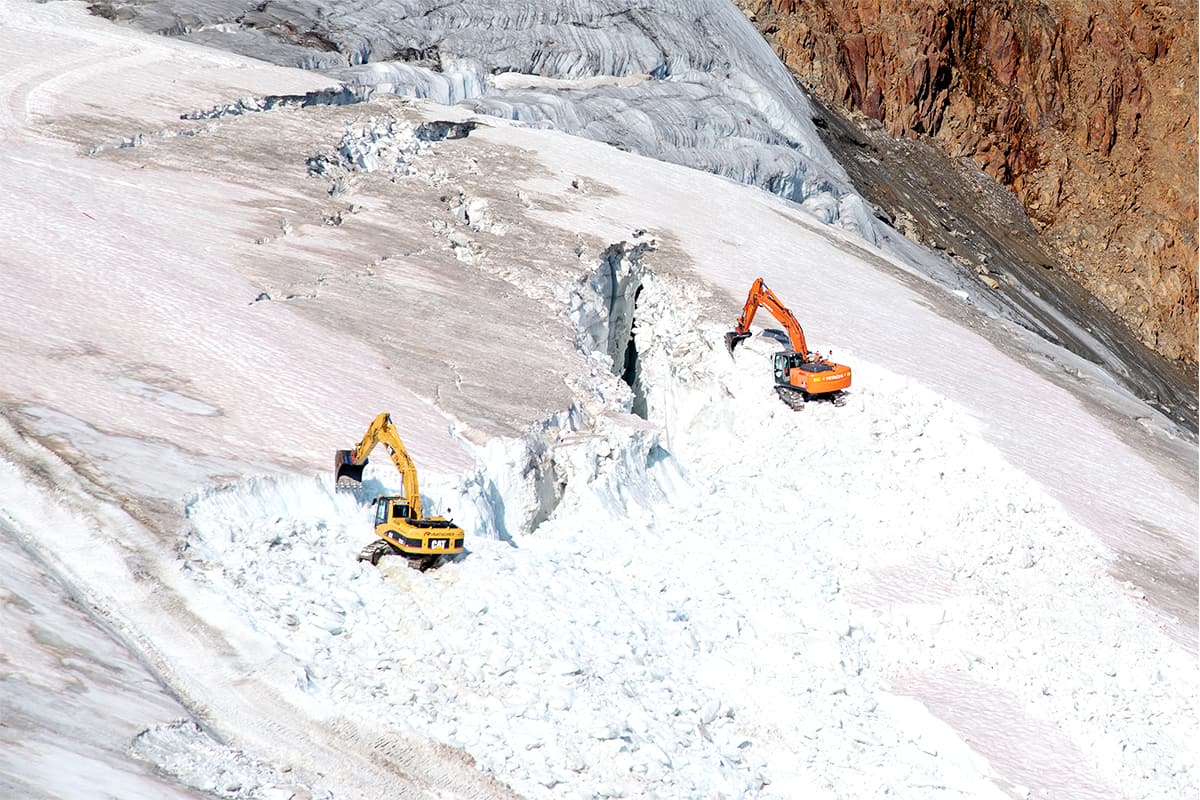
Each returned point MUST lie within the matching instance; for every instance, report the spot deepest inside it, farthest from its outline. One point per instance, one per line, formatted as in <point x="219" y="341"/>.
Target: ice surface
<point x="909" y="594"/>
<point x="690" y="82"/>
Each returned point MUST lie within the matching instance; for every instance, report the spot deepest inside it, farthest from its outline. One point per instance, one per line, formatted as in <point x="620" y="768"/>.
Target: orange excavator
<point x="399" y="523"/>
<point x="799" y="374"/>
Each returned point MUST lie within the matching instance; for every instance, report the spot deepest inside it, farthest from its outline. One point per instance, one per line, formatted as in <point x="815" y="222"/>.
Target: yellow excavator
<point x="399" y="523"/>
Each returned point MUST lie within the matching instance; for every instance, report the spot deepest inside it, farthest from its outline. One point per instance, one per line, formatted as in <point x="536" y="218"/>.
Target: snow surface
<point x="691" y="82"/>
<point x="72" y="697"/>
<point x="912" y="594"/>
<point x="626" y="75"/>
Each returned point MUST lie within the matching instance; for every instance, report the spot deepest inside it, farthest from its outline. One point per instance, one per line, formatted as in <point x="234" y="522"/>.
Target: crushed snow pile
<point x="958" y="569"/>
<point x="737" y="599"/>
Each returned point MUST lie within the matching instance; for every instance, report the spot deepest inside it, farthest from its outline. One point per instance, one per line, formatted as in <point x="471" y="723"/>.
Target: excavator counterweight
<point x="399" y="522"/>
<point x="799" y="373"/>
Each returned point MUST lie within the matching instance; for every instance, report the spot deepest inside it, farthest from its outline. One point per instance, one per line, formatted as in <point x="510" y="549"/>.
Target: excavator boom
<point x="760" y="295"/>
<point x="349" y="464"/>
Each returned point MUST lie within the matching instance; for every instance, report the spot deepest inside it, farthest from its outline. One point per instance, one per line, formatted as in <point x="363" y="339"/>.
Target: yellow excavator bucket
<point x="346" y="473"/>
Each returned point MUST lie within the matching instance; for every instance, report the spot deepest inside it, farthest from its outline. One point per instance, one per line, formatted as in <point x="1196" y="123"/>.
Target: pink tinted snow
<point x="1035" y="758"/>
<point x="143" y="294"/>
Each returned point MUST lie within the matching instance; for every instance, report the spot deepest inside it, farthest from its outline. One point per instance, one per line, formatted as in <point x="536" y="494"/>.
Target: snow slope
<point x="73" y="698"/>
<point x="690" y="82"/>
<point x="911" y="594"/>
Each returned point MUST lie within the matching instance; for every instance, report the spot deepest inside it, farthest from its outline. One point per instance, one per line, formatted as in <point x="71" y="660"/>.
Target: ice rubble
<point x="387" y="144"/>
<point x="727" y="599"/>
<point x="182" y="749"/>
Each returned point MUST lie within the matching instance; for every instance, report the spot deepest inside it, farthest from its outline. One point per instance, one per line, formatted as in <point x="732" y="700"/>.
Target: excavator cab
<point x="782" y="367"/>
<point x="811" y="375"/>
<point x="391" y="508"/>
<point x="421" y="540"/>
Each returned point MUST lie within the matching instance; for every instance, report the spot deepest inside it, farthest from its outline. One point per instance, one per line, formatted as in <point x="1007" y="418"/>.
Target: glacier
<point x="685" y="81"/>
<point x="936" y="590"/>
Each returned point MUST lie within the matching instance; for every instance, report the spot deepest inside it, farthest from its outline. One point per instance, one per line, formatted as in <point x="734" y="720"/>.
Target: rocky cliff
<point x="1085" y="110"/>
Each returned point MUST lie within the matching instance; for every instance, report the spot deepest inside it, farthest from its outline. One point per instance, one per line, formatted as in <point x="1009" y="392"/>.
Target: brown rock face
<point x="1086" y="110"/>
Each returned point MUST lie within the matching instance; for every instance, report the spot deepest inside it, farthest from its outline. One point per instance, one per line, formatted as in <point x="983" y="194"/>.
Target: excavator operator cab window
<point x="781" y="367"/>
<point x="399" y="509"/>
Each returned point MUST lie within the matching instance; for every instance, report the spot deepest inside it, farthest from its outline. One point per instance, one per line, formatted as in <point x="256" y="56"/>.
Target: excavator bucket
<point x="733" y="339"/>
<point x="345" y="472"/>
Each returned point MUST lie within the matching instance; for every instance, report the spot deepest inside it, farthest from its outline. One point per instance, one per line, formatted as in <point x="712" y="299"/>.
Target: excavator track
<point x="792" y="398"/>
<point x="375" y="551"/>
<point x="423" y="564"/>
<point x="796" y="399"/>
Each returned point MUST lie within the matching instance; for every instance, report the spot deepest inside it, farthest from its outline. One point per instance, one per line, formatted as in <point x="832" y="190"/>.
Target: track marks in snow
<point x="172" y="399"/>
<point x="183" y="750"/>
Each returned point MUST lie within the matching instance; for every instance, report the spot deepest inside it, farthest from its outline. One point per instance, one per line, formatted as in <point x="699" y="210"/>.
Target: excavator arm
<point x="349" y="464"/>
<point x="761" y="296"/>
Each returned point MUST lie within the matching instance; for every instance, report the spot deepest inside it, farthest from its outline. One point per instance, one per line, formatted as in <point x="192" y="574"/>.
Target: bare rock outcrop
<point x="1085" y="110"/>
